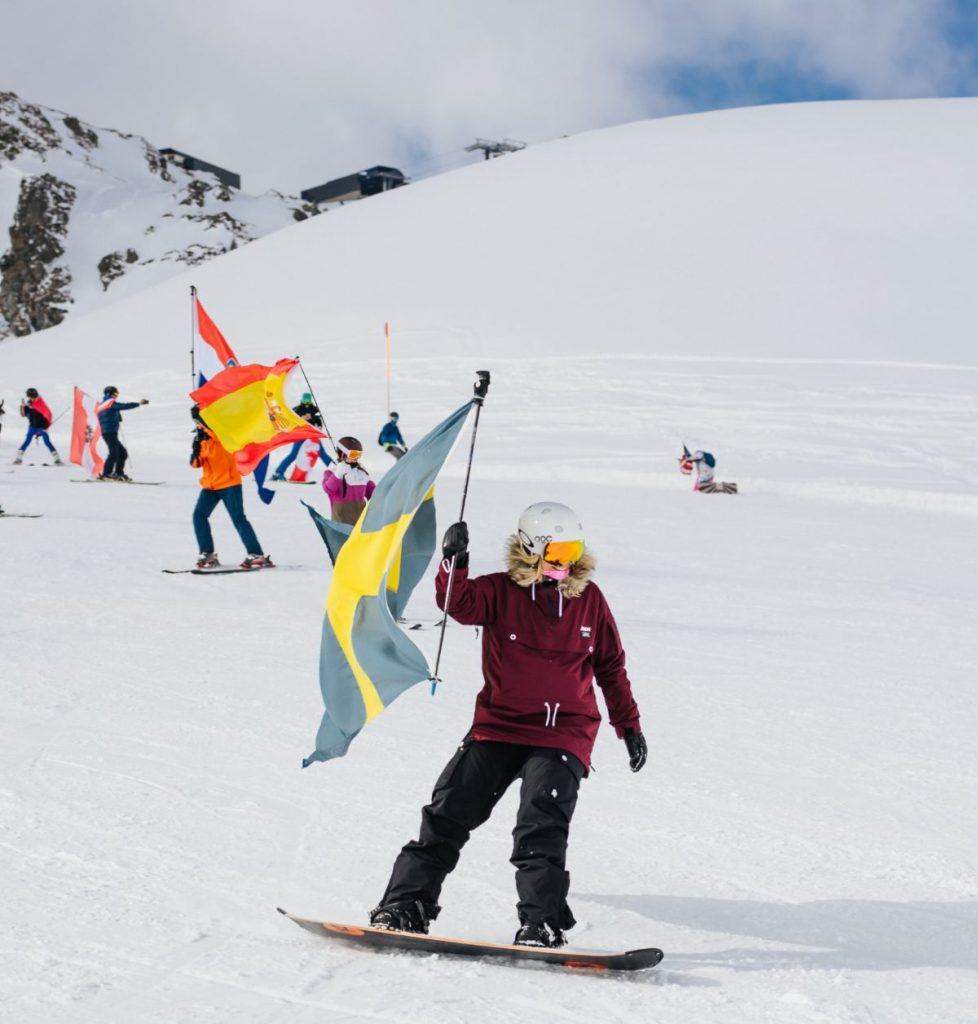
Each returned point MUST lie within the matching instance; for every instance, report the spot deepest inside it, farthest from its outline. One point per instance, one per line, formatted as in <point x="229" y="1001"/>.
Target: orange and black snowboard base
<point x="411" y="942"/>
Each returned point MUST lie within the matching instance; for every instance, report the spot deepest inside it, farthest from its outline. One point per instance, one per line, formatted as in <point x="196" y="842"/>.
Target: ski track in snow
<point x="800" y="844"/>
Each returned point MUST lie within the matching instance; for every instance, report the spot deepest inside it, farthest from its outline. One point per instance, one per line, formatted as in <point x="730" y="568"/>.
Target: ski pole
<point x="480" y="388"/>
<point x="329" y="433"/>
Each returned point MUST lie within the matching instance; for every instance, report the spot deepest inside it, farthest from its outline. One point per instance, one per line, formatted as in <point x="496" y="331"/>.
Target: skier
<point x="109" y="412"/>
<point x="548" y="634"/>
<point x="702" y="462"/>
<point x="347" y="483"/>
<point x="390" y="438"/>
<point x="309" y="411"/>
<point x="221" y="482"/>
<point x="38" y="417"/>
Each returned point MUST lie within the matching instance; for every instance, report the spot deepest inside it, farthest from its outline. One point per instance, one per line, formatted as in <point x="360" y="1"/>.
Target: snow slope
<point x="802" y="841"/>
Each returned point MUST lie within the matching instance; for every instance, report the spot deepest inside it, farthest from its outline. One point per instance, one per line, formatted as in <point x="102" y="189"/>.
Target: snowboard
<point x="411" y="942"/>
<point x="20" y="515"/>
<point x="718" y="488"/>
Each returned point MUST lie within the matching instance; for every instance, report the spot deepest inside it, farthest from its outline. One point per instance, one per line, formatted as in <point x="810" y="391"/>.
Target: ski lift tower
<point x="494" y="149"/>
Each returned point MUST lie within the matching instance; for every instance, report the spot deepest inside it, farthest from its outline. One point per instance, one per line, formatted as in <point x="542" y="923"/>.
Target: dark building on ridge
<point x="356" y="186"/>
<point x="191" y="163"/>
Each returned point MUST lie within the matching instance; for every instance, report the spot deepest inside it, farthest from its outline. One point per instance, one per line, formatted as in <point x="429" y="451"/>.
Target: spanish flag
<point x="365" y="659"/>
<point x="245" y="407"/>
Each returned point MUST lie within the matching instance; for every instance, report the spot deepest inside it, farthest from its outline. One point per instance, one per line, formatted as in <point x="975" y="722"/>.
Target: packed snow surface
<point x="802" y="840"/>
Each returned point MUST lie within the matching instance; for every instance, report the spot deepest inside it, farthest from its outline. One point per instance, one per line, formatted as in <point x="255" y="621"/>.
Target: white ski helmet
<point x="545" y="522"/>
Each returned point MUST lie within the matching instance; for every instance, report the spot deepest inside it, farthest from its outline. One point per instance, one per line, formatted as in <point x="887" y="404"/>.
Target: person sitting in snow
<point x="390" y="438"/>
<point x="221" y="482"/>
<point x="35" y="410"/>
<point x="347" y="483"/>
<point x="548" y="637"/>
<point x="700" y="462"/>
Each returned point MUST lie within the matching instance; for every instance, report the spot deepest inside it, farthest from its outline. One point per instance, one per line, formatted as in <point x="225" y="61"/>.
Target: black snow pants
<point x="116" y="462"/>
<point x="466" y="792"/>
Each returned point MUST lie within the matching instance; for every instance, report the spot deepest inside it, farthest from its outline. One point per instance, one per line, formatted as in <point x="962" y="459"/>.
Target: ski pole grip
<point x="481" y="386"/>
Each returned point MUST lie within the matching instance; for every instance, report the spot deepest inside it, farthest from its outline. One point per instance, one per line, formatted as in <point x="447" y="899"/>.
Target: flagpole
<point x="480" y="388"/>
<point x="387" y="339"/>
<point x="193" y="335"/>
<point x="329" y="433"/>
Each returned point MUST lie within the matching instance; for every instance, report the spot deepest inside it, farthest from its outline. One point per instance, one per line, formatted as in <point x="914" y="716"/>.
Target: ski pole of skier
<point x="319" y="408"/>
<point x="479" y="391"/>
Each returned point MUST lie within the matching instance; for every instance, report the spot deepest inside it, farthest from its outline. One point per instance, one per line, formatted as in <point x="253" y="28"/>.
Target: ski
<point x="224" y="570"/>
<point x="135" y="483"/>
<point x="20" y="515"/>
<point x="412" y="942"/>
<point x="217" y="572"/>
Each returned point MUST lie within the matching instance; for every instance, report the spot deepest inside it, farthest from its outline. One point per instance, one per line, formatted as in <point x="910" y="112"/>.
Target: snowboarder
<point x="109" y="412"/>
<point x="347" y="483"/>
<point x="390" y="438"/>
<point x="702" y="462"/>
<point x="548" y="634"/>
<point x="309" y="411"/>
<point x="38" y="416"/>
<point x="221" y="482"/>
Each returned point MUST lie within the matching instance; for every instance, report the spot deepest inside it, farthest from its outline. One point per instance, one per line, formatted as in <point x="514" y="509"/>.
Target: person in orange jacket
<point x="221" y="482"/>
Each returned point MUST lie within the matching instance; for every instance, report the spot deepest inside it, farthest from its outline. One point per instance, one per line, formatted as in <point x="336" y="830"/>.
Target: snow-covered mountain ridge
<point x="94" y="213"/>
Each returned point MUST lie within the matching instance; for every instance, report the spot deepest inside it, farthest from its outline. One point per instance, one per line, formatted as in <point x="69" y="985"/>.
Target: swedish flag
<point x="365" y="659"/>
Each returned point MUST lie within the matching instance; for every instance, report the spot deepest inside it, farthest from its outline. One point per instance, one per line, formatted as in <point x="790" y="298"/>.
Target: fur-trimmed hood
<point x="525" y="570"/>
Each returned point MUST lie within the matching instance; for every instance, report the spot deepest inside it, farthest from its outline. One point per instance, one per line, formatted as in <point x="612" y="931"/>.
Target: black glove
<point x="481" y="386"/>
<point x="195" y="450"/>
<point x="456" y="543"/>
<point x="638" y="749"/>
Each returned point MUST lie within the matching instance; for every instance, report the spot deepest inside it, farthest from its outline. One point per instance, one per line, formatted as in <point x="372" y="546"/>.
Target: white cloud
<point x="293" y="93"/>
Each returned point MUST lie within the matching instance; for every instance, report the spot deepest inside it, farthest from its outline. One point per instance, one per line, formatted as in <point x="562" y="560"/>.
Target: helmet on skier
<point x="110" y="390"/>
<point x="32" y="393"/>
<point x="394" y="417"/>
<point x="307" y="399"/>
<point x="551" y="531"/>
<point x="349" y="447"/>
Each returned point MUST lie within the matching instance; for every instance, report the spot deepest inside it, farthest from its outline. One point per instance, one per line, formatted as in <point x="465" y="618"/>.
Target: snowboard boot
<point x="18" y="458"/>
<point x="207" y="560"/>
<point x="278" y="476"/>
<point x="403" y="916"/>
<point x="535" y="933"/>
<point x="257" y="562"/>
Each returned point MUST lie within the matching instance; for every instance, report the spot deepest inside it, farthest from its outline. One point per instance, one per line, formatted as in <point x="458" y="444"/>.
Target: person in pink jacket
<point x="547" y="637"/>
<point x="347" y="483"/>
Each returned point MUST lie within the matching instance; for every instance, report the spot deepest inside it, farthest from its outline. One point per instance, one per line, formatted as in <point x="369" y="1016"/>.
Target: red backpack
<point x="39" y="405"/>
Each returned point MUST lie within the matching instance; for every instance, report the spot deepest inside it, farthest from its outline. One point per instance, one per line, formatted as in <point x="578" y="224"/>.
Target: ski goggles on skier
<point x="351" y="453"/>
<point x="563" y="552"/>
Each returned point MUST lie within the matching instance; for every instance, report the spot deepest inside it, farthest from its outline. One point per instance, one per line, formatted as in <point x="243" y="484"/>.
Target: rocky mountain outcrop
<point x="88" y="214"/>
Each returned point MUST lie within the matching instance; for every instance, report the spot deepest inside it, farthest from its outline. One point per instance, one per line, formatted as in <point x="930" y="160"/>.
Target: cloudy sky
<point x="292" y="93"/>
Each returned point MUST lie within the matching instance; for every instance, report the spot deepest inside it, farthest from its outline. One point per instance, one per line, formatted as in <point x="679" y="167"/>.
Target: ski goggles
<point x="351" y="453"/>
<point x="563" y="552"/>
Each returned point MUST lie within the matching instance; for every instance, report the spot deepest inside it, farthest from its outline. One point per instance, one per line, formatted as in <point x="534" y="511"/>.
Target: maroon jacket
<point x="542" y="652"/>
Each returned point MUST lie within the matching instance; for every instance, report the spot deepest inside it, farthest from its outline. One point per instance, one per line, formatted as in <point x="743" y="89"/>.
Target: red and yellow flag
<point x="245" y="407"/>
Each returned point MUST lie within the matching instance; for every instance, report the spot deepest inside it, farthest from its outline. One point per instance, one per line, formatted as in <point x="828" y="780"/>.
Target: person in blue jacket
<point x="309" y="411"/>
<point x="390" y="438"/>
<point x="109" y="412"/>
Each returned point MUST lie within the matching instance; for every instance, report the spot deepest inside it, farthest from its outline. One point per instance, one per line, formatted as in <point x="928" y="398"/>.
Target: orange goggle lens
<point x="351" y="454"/>
<point x="561" y="552"/>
